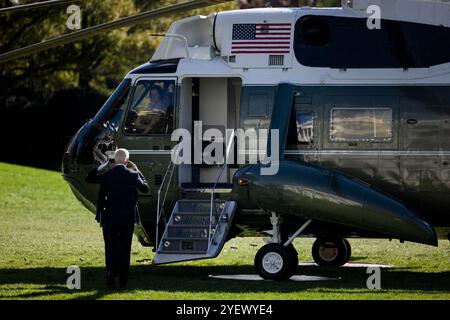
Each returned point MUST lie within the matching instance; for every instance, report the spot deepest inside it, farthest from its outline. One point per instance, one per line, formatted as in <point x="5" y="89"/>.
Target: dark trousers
<point x="117" y="250"/>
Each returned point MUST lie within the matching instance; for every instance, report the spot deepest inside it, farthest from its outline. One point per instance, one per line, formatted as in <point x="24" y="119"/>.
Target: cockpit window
<point x="110" y="114"/>
<point x="151" y="110"/>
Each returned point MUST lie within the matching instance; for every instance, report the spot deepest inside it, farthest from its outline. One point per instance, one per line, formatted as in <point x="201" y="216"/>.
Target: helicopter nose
<point x="68" y="162"/>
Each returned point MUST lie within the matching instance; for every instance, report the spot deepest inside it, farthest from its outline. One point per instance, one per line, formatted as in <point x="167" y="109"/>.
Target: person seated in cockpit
<point x="154" y="116"/>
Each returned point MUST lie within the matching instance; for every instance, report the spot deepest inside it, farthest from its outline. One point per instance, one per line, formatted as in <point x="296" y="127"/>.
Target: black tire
<point x="274" y="262"/>
<point x="349" y="251"/>
<point x="330" y="251"/>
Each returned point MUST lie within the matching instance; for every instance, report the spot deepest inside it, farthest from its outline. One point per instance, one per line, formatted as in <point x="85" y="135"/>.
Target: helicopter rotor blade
<point x="36" y="5"/>
<point x="108" y="26"/>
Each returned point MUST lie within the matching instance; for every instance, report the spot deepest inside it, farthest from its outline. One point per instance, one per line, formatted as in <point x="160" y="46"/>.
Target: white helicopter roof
<point x="206" y="44"/>
<point x="197" y="37"/>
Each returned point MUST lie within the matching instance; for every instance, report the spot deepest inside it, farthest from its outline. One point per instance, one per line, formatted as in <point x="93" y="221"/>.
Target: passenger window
<point x="372" y="125"/>
<point x="301" y="128"/>
<point x="305" y="127"/>
<point x="152" y="108"/>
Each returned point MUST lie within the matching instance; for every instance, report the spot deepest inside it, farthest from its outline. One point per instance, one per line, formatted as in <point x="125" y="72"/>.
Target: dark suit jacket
<point x="118" y="195"/>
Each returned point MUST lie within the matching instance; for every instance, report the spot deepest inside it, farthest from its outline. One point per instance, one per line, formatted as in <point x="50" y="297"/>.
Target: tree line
<point x="47" y="96"/>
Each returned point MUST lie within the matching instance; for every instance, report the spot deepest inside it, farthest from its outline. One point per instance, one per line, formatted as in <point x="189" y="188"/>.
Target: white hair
<point x="121" y="156"/>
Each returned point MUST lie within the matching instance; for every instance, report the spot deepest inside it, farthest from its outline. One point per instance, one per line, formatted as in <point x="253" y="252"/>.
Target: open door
<point x="214" y="103"/>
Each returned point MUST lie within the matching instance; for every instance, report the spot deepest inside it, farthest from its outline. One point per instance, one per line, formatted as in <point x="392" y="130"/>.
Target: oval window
<point x="315" y="31"/>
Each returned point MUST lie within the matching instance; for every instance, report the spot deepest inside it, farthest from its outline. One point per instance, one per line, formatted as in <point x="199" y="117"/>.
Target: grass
<point x="44" y="229"/>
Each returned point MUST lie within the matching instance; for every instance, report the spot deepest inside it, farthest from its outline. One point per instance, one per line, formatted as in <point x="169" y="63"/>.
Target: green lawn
<point x="44" y="229"/>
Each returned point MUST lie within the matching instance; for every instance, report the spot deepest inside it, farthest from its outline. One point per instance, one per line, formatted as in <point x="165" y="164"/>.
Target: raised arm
<point x="141" y="183"/>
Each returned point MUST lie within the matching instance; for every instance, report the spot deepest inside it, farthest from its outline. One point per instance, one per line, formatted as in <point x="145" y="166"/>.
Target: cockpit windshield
<point x="110" y="114"/>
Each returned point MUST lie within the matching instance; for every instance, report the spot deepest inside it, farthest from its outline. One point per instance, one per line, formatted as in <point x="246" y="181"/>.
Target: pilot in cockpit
<point x="154" y="117"/>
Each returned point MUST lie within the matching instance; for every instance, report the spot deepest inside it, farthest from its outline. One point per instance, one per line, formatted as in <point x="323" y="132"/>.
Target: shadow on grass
<point x="173" y="278"/>
<point x="358" y="258"/>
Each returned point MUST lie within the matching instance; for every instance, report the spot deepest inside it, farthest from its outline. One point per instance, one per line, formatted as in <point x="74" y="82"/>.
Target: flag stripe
<point x="262" y="42"/>
<point x="278" y="38"/>
<point x="259" y="47"/>
<point x="273" y="33"/>
<point x="273" y="29"/>
<point x="279" y="52"/>
<point x="273" y="24"/>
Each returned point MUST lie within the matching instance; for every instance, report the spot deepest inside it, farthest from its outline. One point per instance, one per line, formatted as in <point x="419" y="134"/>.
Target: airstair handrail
<point x="227" y="152"/>
<point x="160" y="205"/>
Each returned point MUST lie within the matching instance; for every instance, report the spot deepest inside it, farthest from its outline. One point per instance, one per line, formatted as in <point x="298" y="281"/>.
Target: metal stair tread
<point x="190" y="226"/>
<point x="206" y="190"/>
<point x="187" y="213"/>
<point x="198" y="201"/>
<point x="185" y="238"/>
<point x="183" y="252"/>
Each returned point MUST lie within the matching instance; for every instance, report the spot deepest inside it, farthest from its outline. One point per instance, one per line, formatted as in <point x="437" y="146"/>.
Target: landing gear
<point x="274" y="261"/>
<point x="331" y="251"/>
<point x="278" y="260"/>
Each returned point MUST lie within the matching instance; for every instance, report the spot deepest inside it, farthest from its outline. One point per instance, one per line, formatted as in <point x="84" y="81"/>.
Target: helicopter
<point x="356" y="121"/>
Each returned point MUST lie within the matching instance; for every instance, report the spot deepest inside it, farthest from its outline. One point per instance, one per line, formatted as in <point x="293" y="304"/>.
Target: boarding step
<point x="192" y="218"/>
<point x="207" y="190"/>
<point x="197" y="206"/>
<point x="194" y="231"/>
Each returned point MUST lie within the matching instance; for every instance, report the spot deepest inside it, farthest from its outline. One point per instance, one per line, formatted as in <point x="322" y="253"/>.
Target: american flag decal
<point x="271" y="38"/>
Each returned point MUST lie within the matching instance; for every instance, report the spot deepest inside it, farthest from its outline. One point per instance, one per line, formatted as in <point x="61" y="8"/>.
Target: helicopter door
<point x="147" y="127"/>
<point x="304" y="134"/>
<point x="213" y="103"/>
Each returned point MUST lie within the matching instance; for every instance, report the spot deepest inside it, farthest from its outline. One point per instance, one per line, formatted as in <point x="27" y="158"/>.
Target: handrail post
<point x="157" y="222"/>
<point x="210" y="220"/>
<point x="160" y="204"/>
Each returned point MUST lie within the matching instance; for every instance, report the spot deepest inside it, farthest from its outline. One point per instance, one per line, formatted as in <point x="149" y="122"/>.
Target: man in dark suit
<point x="117" y="212"/>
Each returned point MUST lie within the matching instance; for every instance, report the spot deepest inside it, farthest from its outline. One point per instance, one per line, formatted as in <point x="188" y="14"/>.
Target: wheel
<point x="274" y="261"/>
<point x="330" y="251"/>
<point x="349" y="251"/>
